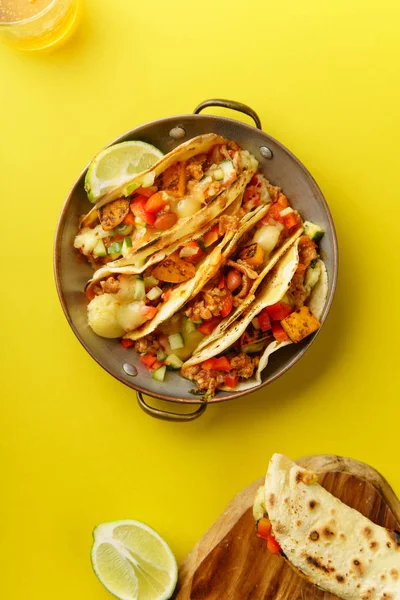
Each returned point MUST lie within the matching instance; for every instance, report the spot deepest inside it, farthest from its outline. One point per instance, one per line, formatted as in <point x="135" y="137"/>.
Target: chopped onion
<point x="286" y="211"/>
<point x="188" y="251"/>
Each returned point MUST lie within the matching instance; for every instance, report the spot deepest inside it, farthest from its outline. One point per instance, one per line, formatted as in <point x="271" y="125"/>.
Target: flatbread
<point x="332" y="545"/>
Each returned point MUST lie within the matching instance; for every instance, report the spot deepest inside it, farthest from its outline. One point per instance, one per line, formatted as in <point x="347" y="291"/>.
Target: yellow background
<point x="75" y="448"/>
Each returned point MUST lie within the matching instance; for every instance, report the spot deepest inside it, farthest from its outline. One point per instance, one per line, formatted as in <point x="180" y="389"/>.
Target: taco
<point x="286" y="309"/>
<point x="325" y="541"/>
<point x="184" y="191"/>
<point x="125" y="303"/>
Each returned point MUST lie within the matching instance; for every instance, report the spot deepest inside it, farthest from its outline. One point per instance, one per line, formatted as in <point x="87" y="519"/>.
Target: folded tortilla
<point x="272" y="290"/>
<point x="205" y="271"/>
<point x="332" y="545"/>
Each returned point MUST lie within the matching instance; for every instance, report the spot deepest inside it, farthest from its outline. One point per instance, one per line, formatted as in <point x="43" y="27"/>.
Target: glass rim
<point x="30" y="19"/>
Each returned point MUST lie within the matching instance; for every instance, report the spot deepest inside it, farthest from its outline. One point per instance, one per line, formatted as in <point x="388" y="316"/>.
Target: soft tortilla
<point x="226" y="323"/>
<point x="206" y="269"/>
<point x="331" y="544"/>
<point x="273" y="290"/>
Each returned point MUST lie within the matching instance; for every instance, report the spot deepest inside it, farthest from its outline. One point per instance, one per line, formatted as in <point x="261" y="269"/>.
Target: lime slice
<point x="117" y="164"/>
<point x="133" y="562"/>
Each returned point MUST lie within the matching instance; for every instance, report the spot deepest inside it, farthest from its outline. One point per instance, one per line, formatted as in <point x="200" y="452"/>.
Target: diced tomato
<point x="194" y="257"/>
<point x="279" y="311"/>
<point x="208" y="327"/>
<point x="264" y="321"/>
<point x="226" y="305"/>
<point x="118" y="238"/>
<point x="138" y="208"/>
<point x="166" y="295"/>
<point x="274" y="212"/>
<point x="148" y="312"/>
<point x="283" y="201"/>
<point x="156" y="365"/>
<point x="291" y="220"/>
<point x="217" y="364"/>
<point x="251" y="196"/>
<point x="129" y="219"/>
<point x="211" y="236"/>
<point x="273" y="545"/>
<point x="264" y="528"/>
<point x="147" y="192"/>
<point x="221" y="282"/>
<point x="155" y="203"/>
<point x="231" y="380"/>
<point x="278" y="332"/>
<point x="148" y="359"/>
<point x="90" y="293"/>
<point x="300" y="269"/>
<point x="127" y="343"/>
<point x="163" y="341"/>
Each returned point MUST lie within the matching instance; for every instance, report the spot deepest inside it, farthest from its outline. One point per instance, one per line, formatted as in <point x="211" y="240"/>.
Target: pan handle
<point x="166" y="415"/>
<point x="232" y="104"/>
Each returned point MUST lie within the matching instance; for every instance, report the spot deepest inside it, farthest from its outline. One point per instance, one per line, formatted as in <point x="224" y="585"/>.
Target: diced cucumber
<point x="255" y="323"/>
<point x="312" y="276"/>
<point x="257" y="347"/>
<point x="159" y="374"/>
<point x="150" y="281"/>
<point x="115" y="248"/>
<point x="227" y="168"/>
<point x="173" y="361"/>
<point x="313" y="231"/>
<point x="176" y="341"/>
<point x="190" y="326"/>
<point x="202" y="246"/>
<point x="131" y="188"/>
<point x="100" y="249"/>
<point x="123" y="229"/>
<point x="161" y="355"/>
<point x="218" y="174"/>
<point x="154" y="293"/>
<point x="126" y="246"/>
<point x="139" y="292"/>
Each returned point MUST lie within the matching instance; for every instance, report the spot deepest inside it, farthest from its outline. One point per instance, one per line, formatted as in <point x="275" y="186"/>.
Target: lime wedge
<point x="117" y="164"/>
<point x="133" y="562"/>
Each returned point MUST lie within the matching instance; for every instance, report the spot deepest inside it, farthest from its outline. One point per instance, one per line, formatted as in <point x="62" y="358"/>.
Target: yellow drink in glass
<point x="36" y="24"/>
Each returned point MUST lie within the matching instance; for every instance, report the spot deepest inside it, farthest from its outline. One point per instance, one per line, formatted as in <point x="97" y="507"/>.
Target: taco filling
<point x="180" y="191"/>
<point x="245" y="348"/>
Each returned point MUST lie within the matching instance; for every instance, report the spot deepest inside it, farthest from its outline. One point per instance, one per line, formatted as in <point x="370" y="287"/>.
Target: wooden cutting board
<point x="231" y="563"/>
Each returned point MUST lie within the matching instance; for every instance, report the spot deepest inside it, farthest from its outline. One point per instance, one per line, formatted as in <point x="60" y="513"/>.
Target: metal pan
<point x="71" y="274"/>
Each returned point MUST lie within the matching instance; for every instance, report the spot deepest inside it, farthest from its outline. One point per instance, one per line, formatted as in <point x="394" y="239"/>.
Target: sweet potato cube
<point x="253" y="255"/>
<point x="299" y="324"/>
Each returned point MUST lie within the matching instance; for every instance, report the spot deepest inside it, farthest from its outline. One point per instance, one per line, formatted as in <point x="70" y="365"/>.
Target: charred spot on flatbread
<point x="358" y="566"/>
<point x="394" y="574"/>
<point x="315" y="562"/>
<point x="312" y="504"/>
<point x="113" y="213"/>
<point x="280" y="528"/>
<point x="382" y="576"/>
<point x="299" y="523"/>
<point x="374" y="545"/>
<point x="368" y="594"/>
<point x="342" y="536"/>
<point x="327" y="532"/>
<point x="367" y="531"/>
<point x="340" y="578"/>
<point x="306" y="477"/>
<point x="314" y="536"/>
<point x="272" y="499"/>
<point x="387" y="596"/>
